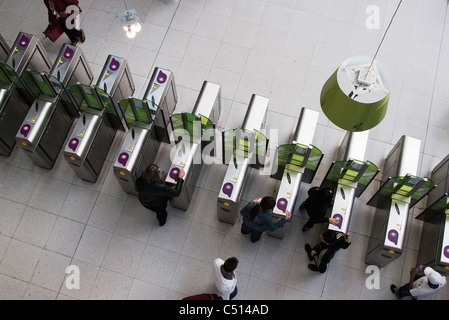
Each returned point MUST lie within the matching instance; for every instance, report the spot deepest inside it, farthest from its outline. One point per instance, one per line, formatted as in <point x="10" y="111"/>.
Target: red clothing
<point x="60" y="6"/>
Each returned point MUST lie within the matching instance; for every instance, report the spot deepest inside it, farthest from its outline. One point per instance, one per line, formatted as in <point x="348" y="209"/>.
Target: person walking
<point x="57" y="18"/>
<point x="420" y="285"/>
<point x="154" y="193"/>
<point x="316" y="205"/>
<point x="323" y="252"/>
<point x="257" y="217"/>
<point x="224" y="277"/>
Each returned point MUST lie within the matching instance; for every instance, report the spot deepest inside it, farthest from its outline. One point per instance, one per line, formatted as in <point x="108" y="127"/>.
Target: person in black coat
<point x="154" y="193"/>
<point x="323" y="252"/>
<point x="316" y="205"/>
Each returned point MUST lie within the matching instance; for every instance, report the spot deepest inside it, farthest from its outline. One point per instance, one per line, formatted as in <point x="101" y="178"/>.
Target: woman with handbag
<point x="58" y="14"/>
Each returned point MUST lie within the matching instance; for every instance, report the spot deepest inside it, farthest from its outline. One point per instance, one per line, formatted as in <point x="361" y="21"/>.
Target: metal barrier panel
<point x="390" y="221"/>
<point x="51" y="116"/>
<point x="234" y="180"/>
<point x="291" y="179"/>
<point x="188" y="155"/>
<point x="116" y="80"/>
<point x="16" y="96"/>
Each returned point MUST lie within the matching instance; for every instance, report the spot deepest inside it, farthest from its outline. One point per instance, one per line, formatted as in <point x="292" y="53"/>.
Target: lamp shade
<point x="355" y="97"/>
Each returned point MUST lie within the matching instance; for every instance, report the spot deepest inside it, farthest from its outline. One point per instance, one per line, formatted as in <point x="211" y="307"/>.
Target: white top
<point x="421" y="286"/>
<point x="224" y="286"/>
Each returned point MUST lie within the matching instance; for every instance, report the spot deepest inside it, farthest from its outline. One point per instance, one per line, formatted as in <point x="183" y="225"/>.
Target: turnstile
<point x="242" y="148"/>
<point x="147" y="128"/>
<point x="101" y="118"/>
<point x="348" y="177"/>
<point x="399" y="192"/>
<point x="45" y="128"/>
<point x="295" y="163"/>
<point x="195" y="136"/>
<point x="16" y="91"/>
<point x="162" y="92"/>
<point x="434" y="245"/>
<point x="4" y="49"/>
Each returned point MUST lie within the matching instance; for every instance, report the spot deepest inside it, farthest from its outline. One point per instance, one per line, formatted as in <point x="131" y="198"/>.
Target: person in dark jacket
<point x="257" y="217"/>
<point x="316" y="205"/>
<point x="58" y="14"/>
<point x="154" y="193"/>
<point x="323" y="252"/>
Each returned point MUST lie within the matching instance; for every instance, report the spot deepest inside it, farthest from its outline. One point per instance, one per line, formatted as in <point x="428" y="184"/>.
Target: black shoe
<point x="394" y="289"/>
<point x="308" y="248"/>
<point x="162" y="222"/>
<point x="312" y="267"/>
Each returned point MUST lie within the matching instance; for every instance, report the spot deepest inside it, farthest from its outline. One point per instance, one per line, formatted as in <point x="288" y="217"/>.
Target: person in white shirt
<point x="225" y="278"/>
<point x="420" y="285"/>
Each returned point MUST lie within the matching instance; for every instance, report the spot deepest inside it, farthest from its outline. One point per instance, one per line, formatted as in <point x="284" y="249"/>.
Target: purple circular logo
<point x="25" y="129"/>
<point x="123" y="158"/>
<point x="339" y="218"/>
<point x="228" y="188"/>
<point x="161" y="77"/>
<point x="24" y="41"/>
<point x="174" y="173"/>
<point x="114" y="65"/>
<point x="73" y="143"/>
<point x="282" y="204"/>
<point x="68" y="53"/>
<point x="393" y="236"/>
<point x="446" y="251"/>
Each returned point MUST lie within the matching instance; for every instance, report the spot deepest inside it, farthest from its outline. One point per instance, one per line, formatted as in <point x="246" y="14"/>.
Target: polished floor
<point x="282" y="49"/>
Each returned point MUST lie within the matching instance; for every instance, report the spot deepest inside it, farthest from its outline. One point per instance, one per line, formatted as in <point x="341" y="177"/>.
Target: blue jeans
<point x="255" y="235"/>
<point x="404" y="291"/>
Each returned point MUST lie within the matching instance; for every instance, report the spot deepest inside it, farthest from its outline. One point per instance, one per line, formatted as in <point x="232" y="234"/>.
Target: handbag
<point x="53" y="32"/>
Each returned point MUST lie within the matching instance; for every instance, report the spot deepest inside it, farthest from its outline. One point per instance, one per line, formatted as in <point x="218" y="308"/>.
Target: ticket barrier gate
<point x="295" y="163"/>
<point x="148" y="126"/>
<point x="242" y="148"/>
<point x="4" y="49"/>
<point x="195" y="136"/>
<point x="162" y="92"/>
<point x="434" y="246"/>
<point x="45" y="128"/>
<point x="101" y="117"/>
<point x="399" y="192"/>
<point x="16" y="96"/>
<point x="349" y="177"/>
<point x="142" y="141"/>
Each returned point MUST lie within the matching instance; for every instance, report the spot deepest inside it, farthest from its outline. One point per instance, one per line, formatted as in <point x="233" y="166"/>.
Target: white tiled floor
<point x="282" y="49"/>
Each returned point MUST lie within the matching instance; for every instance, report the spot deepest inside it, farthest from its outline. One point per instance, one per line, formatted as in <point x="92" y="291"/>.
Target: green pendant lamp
<point x="355" y="97"/>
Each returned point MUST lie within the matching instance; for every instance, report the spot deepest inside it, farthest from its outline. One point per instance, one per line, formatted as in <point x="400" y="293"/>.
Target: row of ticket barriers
<point x="47" y="109"/>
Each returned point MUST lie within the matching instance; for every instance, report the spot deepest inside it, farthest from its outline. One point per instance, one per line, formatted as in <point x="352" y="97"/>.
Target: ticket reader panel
<point x="291" y="165"/>
<point x="162" y="92"/>
<point x="349" y="177"/>
<point x="4" y="49"/>
<point x="394" y="200"/>
<point x="16" y="96"/>
<point x="51" y="116"/>
<point x="189" y="151"/>
<point x="240" y="156"/>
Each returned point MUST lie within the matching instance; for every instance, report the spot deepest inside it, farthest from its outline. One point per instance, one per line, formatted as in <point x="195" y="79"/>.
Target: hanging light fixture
<point x="131" y="22"/>
<point x="355" y="97"/>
